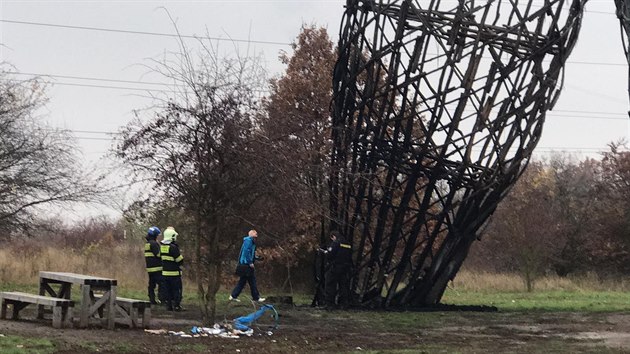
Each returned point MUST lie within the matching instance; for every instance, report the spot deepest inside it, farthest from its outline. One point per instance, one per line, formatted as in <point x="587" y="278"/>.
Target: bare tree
<point x="37" y="164"/>
<point x="525" y="235"/>
<point x="580" y="203"/>
<point x="610" y="244"/>
<point x="196" y="151"/>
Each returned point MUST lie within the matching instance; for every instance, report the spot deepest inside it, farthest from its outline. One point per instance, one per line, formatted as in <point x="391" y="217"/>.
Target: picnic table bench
<point x="90" y="305"/>
<point x="133" y="310"/>
<point x="61" y="308"/>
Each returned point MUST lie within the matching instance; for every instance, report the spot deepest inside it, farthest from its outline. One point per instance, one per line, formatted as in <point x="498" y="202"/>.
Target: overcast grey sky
<point x="63" y="51"/>
<point x="59" y="38"/>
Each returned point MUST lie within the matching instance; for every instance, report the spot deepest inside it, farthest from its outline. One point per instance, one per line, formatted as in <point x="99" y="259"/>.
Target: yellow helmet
<point x="170" y="234"/>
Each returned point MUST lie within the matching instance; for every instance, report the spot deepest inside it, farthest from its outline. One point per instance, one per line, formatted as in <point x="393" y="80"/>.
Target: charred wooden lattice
<point x="437" y="108"/>
<point x="623" y="13"/>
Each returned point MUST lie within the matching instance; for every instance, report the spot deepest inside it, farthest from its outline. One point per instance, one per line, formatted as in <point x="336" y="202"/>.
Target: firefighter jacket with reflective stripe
<point x="339" y="254"/>
<point x="152" y="256"/>
<point x="171" y="260"/>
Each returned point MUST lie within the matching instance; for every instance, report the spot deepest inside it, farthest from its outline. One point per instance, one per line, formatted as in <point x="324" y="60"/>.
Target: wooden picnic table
<point x="90" y="306"/>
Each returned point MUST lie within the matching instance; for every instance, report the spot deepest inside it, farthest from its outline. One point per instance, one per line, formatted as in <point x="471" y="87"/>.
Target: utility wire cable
<point x="121" y="87"/>
<point x="216" y="38"/>
<point x="142" y="32"/>
<point x="88" y="78"/>
<point x="551" y="113"/>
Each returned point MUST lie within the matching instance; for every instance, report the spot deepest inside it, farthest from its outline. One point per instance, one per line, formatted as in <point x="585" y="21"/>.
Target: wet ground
<point x="308" y="330"/>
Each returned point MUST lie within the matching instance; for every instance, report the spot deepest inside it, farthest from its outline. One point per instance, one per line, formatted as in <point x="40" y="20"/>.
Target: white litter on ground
<point x="222" y="331"/>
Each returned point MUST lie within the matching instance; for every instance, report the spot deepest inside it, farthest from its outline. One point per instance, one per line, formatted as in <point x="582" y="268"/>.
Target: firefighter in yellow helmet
<point x="171" y="270"/>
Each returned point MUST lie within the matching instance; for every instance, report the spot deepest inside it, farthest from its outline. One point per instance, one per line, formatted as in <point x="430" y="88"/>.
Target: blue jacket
<point x="248" y="251"/>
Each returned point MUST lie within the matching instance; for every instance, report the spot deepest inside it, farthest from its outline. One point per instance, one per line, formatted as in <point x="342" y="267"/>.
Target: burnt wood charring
<point x="623" y="13"/>
<point x="437" y="108"/>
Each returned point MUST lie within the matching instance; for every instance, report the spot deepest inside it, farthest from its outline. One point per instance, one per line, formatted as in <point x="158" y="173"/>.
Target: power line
<point x="141" y="32"/>
<point x="90" y="132"/>
<point x="591" y="112"/>
<point x="111" y="87"/>
<point x="225" y="39"/>
<point x="122" y="87"/>
<point x="538" y="148"/>
<point x="88" y="78"/>
<point x="562" y="148"/>
<point x="118" y="133"/>
<point x="94" y="138"/>
<point x="596" y="63"/>
<point x="115" y="134"/>
<point x="551" y="113"/>
<point x="600" y="12"/>
<point x="584" y="117"/>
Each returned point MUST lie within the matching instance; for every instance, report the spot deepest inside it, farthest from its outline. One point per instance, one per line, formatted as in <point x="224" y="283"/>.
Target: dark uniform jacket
<point x="152" y="256"/>
<point x="171" y="260"/>
<point x="339" y="254"/>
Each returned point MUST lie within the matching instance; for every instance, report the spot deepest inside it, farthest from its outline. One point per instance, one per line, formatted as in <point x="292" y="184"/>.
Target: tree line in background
<point x="563" y="217"/>
<point x="229" y="150"/>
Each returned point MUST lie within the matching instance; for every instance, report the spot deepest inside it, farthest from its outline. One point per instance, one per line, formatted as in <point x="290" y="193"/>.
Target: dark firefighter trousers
<point x="155" y="280"/>
<point x="172" y="291"/>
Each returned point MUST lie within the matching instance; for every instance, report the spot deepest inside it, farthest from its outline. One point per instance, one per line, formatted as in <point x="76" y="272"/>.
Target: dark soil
<point x="308" y="330"/>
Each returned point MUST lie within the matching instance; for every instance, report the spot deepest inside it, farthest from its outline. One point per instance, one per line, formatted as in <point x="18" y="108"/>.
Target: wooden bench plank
<point x="74" y="278"/>
<point x="61" y="308"/>
<point x="35" y="299"/>
<point x="131" y="310"/>
<point x="133" y="302"/>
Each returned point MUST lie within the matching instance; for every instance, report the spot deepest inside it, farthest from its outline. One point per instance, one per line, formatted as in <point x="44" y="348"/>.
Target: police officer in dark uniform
<point x="337" y="279"/>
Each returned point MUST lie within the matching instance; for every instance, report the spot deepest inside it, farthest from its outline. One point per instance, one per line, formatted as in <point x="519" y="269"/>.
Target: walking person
<point x="337" y="279"/>
<point x="245" y="269"/>
<point x="153" y="264"/>
<point x="171" y="270"/>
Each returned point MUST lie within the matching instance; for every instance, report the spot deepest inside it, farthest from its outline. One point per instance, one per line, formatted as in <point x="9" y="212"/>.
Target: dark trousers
<point x="337" y="282"/>
<point x="251" y="279"/>
<point x="172" y="290"/>
<point x="155" y="280"/>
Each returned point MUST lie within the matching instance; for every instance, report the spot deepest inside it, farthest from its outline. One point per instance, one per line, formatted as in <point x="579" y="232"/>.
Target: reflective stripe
<point x="170" y="268"/>
<point x="344" y="245"/>
<point x="179" y="259"/>
<point x="152" y="261"/>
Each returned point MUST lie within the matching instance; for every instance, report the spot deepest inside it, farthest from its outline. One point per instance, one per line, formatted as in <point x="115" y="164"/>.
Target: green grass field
<point x="541" y="300"/>
<point x="550" y="300"/>
<point x="10" y="344"/>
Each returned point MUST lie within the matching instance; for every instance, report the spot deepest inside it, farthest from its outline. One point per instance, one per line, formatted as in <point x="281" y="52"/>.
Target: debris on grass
<point x="238" y="327"/>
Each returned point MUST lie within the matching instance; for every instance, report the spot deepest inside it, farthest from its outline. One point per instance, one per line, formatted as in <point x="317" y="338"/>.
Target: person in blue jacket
<point x="245" y="269"/>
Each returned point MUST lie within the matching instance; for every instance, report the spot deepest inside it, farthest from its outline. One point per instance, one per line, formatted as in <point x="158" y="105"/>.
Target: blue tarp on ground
<point x="242" y="323"/>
